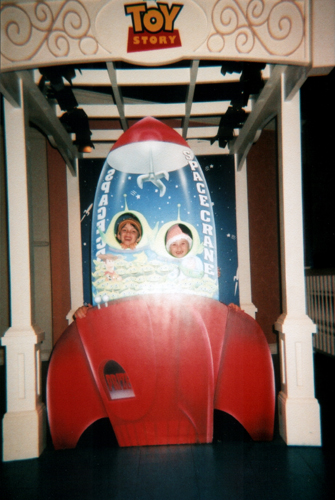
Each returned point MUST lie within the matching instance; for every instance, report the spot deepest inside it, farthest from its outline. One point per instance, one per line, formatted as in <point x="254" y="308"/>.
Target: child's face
<point x="128" y="235"/>
<point x="179" y="248"/>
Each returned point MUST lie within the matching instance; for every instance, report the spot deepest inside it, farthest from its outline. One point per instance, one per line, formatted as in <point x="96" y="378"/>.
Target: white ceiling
<point x="187" y="97"/>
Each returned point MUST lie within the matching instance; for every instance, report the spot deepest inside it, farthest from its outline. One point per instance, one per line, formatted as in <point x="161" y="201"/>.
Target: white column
<point x="243" y="245"/>
<point x="75" y="253"/>
<point x="299" y="415"/>
<point x="39" y="222"/>
<point x="24" y="421"/>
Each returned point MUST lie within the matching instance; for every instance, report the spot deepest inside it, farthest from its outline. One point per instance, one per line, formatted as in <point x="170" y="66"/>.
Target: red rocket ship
<point x="163" y="353"/>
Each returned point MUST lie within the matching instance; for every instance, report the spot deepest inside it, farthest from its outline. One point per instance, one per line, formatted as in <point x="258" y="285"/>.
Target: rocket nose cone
<point x="149" y="129"/>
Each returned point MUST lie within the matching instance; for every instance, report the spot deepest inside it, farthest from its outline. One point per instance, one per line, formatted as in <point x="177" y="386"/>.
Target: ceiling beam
<point x="190" y="95"/>
<point x="153" y="76"/>
<point x="112" y="136"/>
<point x="295" y="76"/>
<point x="117" y="94"/>
<point x="9" y="88"/>
<point x="175" y="110"/>
<point x="150" y="76"/>
<point x="266" y="108"/>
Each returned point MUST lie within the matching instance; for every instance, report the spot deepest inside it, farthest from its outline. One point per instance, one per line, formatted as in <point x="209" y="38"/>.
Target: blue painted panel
<point x="159" y="184"/>
<point x="179" y="203"/>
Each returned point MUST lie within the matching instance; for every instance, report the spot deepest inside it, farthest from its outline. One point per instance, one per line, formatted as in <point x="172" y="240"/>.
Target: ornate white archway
<point x="294" y="37"/>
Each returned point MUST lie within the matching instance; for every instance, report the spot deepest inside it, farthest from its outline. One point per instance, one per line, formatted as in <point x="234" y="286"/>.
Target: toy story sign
<point x="152" y="27"/>
<point x="153" y="226"/>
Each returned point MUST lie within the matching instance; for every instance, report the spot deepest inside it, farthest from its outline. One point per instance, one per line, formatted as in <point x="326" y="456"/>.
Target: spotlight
<point x="66" y="99"/>
<point x="57" y="90"/>
<point x="251" y="78"/>
<point x="231" y="67"/>
<point x="233" y="118"/>
<point x="251" y="81"/>
<point x="225" y="134"/>
<point x="76" y="121"/>
<point x="85" y="149"/>
<point x="83" y="143"/>
<point x="55" y="74"/>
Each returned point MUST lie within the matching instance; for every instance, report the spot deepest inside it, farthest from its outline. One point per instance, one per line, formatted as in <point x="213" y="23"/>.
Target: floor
<point x="233" y="467"/>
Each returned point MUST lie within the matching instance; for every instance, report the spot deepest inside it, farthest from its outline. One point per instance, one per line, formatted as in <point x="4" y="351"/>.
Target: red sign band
<point x="139" y="42"/>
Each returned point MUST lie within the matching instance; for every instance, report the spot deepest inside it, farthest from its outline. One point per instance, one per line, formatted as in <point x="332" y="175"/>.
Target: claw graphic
<point x="155" y="178"/>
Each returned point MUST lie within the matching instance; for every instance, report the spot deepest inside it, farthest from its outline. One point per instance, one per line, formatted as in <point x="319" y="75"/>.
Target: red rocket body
<point x="159" y="352"/>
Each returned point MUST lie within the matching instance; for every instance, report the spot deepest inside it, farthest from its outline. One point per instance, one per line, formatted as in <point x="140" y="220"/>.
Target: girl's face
<point x="128" y="235"/>
<point x="179" y="248"/>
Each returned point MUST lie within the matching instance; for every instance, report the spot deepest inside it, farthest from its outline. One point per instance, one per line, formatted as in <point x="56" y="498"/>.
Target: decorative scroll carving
<point x="26" y="31"/>
<point x="277" y="25"/>
<point x="43" y="32"/>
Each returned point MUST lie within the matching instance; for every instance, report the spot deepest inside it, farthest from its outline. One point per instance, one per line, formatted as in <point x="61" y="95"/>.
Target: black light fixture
<point x="76" y="121"/>
<point x="55" y="74"/>
<point x="62" y="94"/>
<point x="231" y="67"/>
<point x="233" y="118"/>
<point x="66" y="99"/>
<point x="251" y="82"/>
